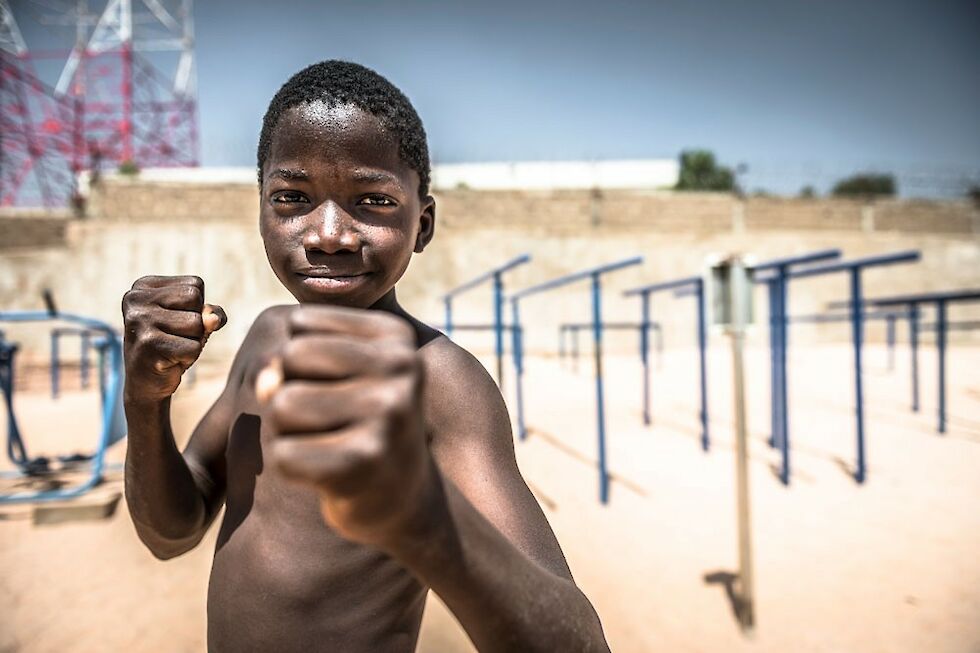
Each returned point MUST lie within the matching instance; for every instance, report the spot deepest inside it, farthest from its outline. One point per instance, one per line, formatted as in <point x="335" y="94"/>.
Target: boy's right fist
<point x="166" y="326"/>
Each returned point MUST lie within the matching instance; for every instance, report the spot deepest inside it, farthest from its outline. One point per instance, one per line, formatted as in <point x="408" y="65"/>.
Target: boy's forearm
<point x="504" y="600"/>
<point x="163" y="499"/>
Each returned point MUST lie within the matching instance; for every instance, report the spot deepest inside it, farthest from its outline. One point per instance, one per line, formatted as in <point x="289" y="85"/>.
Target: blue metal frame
<point x="693" y="286"/>
<point x="496" y="276"/>
<point x="113" y="421"/>
<point x="55" y="368"/>
<point x="853" y="268"/>
<point x="594" y="275"/>
<point x="642" y="329"/>
<point x="941" y="301"/>
<point x="777" y="287"/>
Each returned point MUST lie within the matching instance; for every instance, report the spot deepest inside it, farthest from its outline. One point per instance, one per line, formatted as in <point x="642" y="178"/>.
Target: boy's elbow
<point x="164" y="548"/>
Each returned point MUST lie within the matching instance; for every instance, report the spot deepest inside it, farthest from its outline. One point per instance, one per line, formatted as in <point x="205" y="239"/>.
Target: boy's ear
<point x="427" y="224"/>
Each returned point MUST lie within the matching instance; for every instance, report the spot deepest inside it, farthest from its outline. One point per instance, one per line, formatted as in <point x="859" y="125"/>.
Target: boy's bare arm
<point x="172" y="497"/>
<point x="346" y="410"/>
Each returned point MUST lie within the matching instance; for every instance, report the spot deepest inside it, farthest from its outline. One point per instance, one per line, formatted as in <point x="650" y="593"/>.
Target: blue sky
<point x="802" y="92"/>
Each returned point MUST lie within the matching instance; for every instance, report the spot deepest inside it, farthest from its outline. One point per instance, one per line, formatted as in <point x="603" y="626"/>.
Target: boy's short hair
<point x="342" y="82"/>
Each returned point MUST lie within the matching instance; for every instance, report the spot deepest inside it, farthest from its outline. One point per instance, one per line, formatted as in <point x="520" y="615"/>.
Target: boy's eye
<point x="378" y="200"/>
<point x="288" y="197"/>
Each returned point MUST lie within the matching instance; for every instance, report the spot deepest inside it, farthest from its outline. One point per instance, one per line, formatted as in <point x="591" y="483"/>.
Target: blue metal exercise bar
<point x="85" y="337"/>
<point x="573" y="328"/>
<point x="696" y="285"/>
<point x="496" y="276"/>
<point x="853" y="268"/>
<point x="940" y="301"/>
<point x="775" y="282"/>
<point x="113" y="420"/>
<point x="594" y="276"/>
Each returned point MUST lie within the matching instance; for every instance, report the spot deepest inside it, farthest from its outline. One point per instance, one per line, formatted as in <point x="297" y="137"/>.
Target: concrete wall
<point x="135" y="228"/>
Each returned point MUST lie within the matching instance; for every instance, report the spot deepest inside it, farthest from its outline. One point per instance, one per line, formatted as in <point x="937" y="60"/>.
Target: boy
<point x="362" y="457"/>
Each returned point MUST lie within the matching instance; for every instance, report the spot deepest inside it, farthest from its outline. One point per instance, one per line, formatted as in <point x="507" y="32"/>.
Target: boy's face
<point x="341" y="213"/>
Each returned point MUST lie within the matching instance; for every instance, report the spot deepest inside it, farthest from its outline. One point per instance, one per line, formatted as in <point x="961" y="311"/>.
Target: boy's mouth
<point x="326" y="279"/>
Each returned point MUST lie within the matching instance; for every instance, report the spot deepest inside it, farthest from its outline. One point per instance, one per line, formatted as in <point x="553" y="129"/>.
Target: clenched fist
<point x="166" y="326"/>
<point x="343" y="398"/>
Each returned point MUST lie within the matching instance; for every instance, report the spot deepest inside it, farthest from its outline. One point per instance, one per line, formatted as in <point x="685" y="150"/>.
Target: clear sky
<point x="802" y="92"/>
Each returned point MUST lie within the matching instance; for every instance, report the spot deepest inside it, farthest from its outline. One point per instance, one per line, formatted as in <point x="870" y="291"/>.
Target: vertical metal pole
<point x="600" y="403"/>
<point x="54" y="364"/>
<point x="941" y="350"/>
<point x="783" y="323"/>
<point x="890" y="337"/>
<point x="660" y="346"/>
<point x="702" y="358"/>
<point x="773" y="365"/>
<point x="857" y="326"/>
<point x="645" y="355"/>
<point x="448" y="301"/>
<point x="914" y="342"/>
<point x="498" y="326"/>
<point x="738" y="290"/>
<point x="83" y="364"/>
<point x="561" y="341"/>
<point x="517" y="337"/>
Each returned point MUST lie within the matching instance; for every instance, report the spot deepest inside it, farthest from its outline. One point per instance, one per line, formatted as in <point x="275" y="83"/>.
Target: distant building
<point x="647" y="174"/>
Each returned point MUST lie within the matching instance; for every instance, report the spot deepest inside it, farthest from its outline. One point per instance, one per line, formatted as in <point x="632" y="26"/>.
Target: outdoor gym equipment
<point x="85" y="338"/>
<point x="779" y="303"/>
<point x="496" y="276"/>
<point x="594" y="275"/>
<point x="113" y="421"/>
<point x="940" y="301"/>
<point x="573" y="328"/>
<point x="696" y="286"/>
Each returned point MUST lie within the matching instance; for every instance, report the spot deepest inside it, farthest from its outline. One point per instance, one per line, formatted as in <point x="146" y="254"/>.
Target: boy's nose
<point x="332" y="230"/>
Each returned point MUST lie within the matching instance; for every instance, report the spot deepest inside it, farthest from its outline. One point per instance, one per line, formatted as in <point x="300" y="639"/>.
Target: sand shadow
<point x="728" y="581"/>
<point x="581" y="457"/>
<point x="243" y="457"/>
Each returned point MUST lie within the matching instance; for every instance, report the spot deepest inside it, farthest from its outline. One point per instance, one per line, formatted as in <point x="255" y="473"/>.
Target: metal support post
<point x="55" y="363"/>
<point x="914" y="348"/>
<point x="941" y="352"/>
<point x="600" y="402"/>
<point x="703" y="363"/>
<point x="448" y="301"/>
<point x="645" y="355"/>
<point x="498" y="326"/>
<point x="857" y="326"/>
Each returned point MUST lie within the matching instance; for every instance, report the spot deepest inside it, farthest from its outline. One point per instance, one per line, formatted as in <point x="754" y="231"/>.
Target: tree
<point x="699" y="171"/>
<point x="808" y="192"/>
<point x="973" y="192"/>
<point x="865" y="185"/>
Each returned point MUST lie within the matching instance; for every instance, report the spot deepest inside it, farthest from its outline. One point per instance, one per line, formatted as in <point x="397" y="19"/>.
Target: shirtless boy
<point x="361" y="456"/>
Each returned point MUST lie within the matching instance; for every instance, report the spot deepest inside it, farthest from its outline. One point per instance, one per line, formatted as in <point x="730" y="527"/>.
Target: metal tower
<point x="126" y="94"/>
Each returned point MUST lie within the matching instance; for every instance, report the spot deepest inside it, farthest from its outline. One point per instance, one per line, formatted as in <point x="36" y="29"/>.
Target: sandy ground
<point x="893" y="565"/>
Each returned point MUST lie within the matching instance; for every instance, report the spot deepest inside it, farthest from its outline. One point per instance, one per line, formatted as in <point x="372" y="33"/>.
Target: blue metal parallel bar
<point x="908" y="256"/>
<point x="496" y="276"/>
<point x="941" y="299"/>
<point x="113" y="425"/>
<point x="489" y="275"/>
<point x="576" y="276"/>
<point x="697" y="284"/>
<point x="666" y="285"/>
<point x="777" y="289"/>
<point x="801" y="259"/>
<point x="593" y="275"/>
<point x="854" y="268"/>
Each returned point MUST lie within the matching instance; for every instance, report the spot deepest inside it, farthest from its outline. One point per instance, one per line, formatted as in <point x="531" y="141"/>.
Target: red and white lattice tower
<point x="120" y="98"/>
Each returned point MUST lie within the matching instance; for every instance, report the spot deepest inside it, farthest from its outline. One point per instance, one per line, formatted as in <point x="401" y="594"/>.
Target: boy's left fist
<point x="343" y="398"/>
